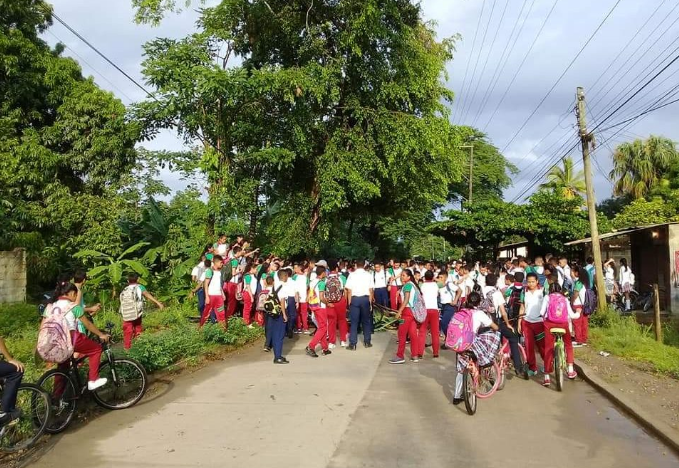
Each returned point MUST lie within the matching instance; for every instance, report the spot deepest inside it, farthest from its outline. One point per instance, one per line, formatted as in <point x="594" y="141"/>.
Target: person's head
<point x="378" y="266"/>
<point x="79" y="277"/>
<point x="333" y="265"/>
<point x="623" y="262"/>
<point x="582" y="276"/>
<point x="283" y="275"/>
<point x="554" y="261"/>
<point x="269" y="281"/>
<point x="532" y="281"/>
<point x="483" y="269"/>
<point x="222" y="238"/>
<point x="429" y="275"/>
<point x="207" y="263"/>
<point x="67" y="290"/>
<point x="539" y="261"/>
<point x="590" y="260"/>
<point x="217" y="262"/>
<point x="298" y="268"/>
<point x="563" y="261"/>
<point x="237" y="251"/>
<point x="519" y="276"/>
<point x="133" y="278"/>
<point x="274" y="267"/>
<point x="515" y="263"/>
<point x="548" y="271"/>
<point x="509" y="279"/>
<point x="250" y="267"/>
<point x="491" y="279"/>
<point x="554" y="288"/>
<point x="240" y="239"/>
<point x="320" y="272"/>
<point x="442" y="276"/>
<point x="407" y="275"/>
<point x="417" y="274"/>
<point x="473" y="300"/>
<point x="209" y="248"/>
<point x="522" y="262"/>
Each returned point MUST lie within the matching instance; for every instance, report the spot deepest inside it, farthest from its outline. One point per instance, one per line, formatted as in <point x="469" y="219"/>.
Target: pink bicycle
<point x="504" y="362"/>
<point x="479" y="382"/>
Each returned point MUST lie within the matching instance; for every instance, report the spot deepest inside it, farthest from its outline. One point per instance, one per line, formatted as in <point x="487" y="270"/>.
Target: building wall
<point x="651" y="261"/>
<point x="13" y="276"/>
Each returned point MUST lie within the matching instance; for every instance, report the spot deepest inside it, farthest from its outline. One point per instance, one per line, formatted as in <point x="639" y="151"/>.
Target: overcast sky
<point x="110" y="27"/>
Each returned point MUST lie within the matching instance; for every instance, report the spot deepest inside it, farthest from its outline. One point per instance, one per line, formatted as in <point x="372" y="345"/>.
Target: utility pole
<point x="471" y="170"/>
<point x="585" y="139"/>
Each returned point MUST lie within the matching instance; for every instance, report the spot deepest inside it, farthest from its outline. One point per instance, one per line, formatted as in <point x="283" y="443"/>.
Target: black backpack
<point x="272" y="305"/>
<point x="514" y="303"/>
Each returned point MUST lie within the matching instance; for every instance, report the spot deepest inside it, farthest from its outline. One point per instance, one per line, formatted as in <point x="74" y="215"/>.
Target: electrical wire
<point x="582" y="49"/>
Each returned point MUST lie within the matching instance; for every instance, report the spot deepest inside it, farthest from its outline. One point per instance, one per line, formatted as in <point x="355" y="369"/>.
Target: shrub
<point x="14" y="318"/>
<point x="158" y="350"/>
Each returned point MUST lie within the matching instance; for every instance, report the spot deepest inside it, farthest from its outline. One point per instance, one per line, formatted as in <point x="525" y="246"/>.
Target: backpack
<point x="487" y="304"/>
<point x="557" y="311"/>
<point x="514" y="303"/>
<point x="477" y="288"/>
<point x="590" y="303"/>
<point x="239" y="290"/>
<point x="131" y="303"/>
<point x="272" y="306"/>
<point x="334" y="291"/>
<point x="54" y="337"/>
<point x="419" y="309"/>
<point x="227" y="273"/>
<point x="313" y="299"/>
<point x="261" y="300"/>
<point x="460" y="334"/>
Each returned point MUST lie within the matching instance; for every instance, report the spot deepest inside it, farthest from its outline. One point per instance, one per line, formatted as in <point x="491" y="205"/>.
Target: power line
<point x="530" y="49"/>
<point x="504" y="57"/>
<point x="79" y="36"/>
<point x="471" y="54"/>
<point x="465" y="109"/>
<point x="563" y="74"/>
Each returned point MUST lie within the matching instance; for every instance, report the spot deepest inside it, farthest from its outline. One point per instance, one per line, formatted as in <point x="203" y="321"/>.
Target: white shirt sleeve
<point x="545" y="304"/>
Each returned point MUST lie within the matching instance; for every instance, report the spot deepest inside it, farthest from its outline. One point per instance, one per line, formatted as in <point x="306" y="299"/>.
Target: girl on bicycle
<point x="554" y="292"/>
<point x="66" y="295"/>
<point x="626" y="282"/>
<point x="485" y="344"/>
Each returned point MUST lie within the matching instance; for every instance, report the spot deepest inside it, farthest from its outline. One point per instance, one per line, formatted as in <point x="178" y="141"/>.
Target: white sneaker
<point x="332" y="346"/>
<point x="344" y="344"/>
<point x="96" y="384"/>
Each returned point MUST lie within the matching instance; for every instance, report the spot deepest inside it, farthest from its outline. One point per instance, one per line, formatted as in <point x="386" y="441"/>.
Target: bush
<point x="14" y="318"/>
<point x="158" y="350"/>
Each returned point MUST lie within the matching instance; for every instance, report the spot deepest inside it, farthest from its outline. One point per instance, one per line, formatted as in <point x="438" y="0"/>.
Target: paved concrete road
<point x="352" y="409"/>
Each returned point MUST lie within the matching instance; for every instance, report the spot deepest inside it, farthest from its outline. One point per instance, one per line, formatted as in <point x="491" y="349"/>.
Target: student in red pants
<point x="430" y="292"/>
<point x="320" y="337"/>
<point x="214" y="297"/>
<point x="407" y="324"/>
<point x="232" y="285"/>
<point x="532" y="324"/>
<point x="581" y="323"/>
<point x="249" y="290"/>
<point x="337" y="312"/>
<point x="394" y="275"/>
<point x="133" y="328"/>
<point x="550" y="304"/>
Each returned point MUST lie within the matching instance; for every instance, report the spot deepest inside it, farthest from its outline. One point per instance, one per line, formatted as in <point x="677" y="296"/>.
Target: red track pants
<point x="131" y="330"/>
<point x="430" y="323"/>
<point x="247" y="308"/>
<point x="530" y="331"/>
<point x="337" y="318"/>
<point x="303" y="316"/>
<point x="321" y="335"/>
<point x="581" y="327"/>
<point x="549" y="345"/>
<point x="216" y="304"/>
<point x="408" y="328"/>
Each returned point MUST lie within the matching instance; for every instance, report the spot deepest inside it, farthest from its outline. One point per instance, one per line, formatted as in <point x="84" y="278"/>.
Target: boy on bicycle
<point x="12" y="371"/>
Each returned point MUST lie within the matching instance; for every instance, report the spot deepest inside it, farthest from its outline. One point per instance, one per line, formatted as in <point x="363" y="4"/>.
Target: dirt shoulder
<point x="656" y="394"/>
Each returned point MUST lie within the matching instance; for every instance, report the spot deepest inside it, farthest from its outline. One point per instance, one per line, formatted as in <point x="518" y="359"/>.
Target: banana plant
<point x="109" y="268"/>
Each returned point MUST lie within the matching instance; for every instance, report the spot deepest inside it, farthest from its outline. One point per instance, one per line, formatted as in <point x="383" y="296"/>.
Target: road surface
<point x="350" y="410"/>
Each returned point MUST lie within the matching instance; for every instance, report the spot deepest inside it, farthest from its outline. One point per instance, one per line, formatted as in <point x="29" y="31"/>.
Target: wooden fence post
<point x="656" y="318"/>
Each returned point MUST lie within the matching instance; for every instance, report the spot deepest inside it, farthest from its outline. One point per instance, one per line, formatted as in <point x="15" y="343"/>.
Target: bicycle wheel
<point x="22" y="433"/>
<point x="63" y="398"/>
<point x="489" y="379"/>
<point x="127" y="383"/>
<point x="559" y="360"/>
<point x="469" y="392"/>
<point x="524" y="363"/>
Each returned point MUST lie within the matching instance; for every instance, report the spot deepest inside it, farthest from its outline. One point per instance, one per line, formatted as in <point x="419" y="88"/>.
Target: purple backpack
<point x="54" y="337"/>
<point x="460" y="334"/>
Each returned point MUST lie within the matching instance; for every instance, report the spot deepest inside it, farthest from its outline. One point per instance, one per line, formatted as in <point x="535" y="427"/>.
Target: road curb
<point x="657" y="428"/>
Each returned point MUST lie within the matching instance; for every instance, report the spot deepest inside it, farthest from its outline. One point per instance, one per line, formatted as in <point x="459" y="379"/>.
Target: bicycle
<point x="22" y="433"/>
<point x="478" y="382"/>
<point x="127" y="384"/>
<point x="504" y="361"/>
<point x="559" y="356"/>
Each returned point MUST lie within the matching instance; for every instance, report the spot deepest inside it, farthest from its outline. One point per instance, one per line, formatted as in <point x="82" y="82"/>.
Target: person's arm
<point x="571" y="313"/>
<point x="494" y="326"/>
<point x="321" y="297"/>
<point x="284" y="309"/>
<point x="545" y="304"/>
<point x="406" y="300"/>
<point x="94" y="330"/>
<point x="92" y="310"/>
<point x="8" y="356"/>
<point x="234" y="269"/>
<point x="206" y="284"/>
<point x="150" y="297"/>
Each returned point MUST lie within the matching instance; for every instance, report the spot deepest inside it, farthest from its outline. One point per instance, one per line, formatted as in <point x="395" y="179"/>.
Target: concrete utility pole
<point x="471" y="170"/>
<point x="586" y="138"/>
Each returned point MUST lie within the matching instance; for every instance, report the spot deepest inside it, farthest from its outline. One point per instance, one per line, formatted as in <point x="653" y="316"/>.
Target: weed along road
<point x="353" y="409"/>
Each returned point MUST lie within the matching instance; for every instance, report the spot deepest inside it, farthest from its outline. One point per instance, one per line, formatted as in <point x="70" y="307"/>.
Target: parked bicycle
<point x="478" y="382"/>
<point x="127" y="384"/>
<point x="34" y="406"/>
<point x="504" y="362"/>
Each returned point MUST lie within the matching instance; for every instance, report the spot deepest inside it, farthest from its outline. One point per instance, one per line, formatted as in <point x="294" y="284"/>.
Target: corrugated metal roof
<point x="608" y="235"/>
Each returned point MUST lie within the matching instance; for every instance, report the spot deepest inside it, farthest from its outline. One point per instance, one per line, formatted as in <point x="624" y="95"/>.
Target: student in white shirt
<point x="196" y="275"/>
<point x="301" y="285"/>
<point x="531" y="324"/>
<point x="394" y="276"/>
<point x="449" y="295"/>
<point x="289" y="291"/>
<point x="625" y="281"/>
<point x="430" y="293"/>
<point x="360" y="290"/>
<point x="381" y="281"/>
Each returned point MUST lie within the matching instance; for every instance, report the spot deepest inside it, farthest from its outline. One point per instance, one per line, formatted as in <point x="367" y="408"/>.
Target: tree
<point x="332" y="109"/>
<point x="642" y="212"/>
<point x="639" y="166"/>
<point x="113" y="268"/>
<point x="565" y="180"/>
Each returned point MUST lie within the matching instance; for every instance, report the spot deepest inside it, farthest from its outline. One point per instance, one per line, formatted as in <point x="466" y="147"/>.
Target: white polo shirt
<point x="380" y="278"/>
<point x="533" y="305"/>
<point x="360" y="282"/>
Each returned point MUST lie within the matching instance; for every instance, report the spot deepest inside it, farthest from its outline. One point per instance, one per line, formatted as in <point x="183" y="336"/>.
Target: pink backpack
<point x="557" y="310"/>
<point x="460" y="334"/>
<point x="54" y="337"/>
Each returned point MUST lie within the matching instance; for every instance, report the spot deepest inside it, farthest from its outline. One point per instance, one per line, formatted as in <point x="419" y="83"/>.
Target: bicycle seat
<point x="557" y="331"/>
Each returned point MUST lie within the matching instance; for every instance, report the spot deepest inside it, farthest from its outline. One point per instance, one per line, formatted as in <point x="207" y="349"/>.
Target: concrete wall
<point x="13" y="276"/>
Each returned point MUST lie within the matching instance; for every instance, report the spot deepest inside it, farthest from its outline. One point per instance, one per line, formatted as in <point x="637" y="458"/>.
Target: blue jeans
<point x="268" y="331"/>
<point x="291" y="310"/>
<point x="12" y="381"/>
<point x="382" y="297"/>
<point x="359" y="311"/>
<point x="277" y="327"/>
<point x="447" y="315"/>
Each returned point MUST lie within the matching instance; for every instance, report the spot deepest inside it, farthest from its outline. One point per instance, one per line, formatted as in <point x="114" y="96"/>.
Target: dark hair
<point x="408" y="272"/>
<point x="474" y="299"/>
<point x="133" y="277"/>
<point x="320" y="270"/>
<point x="269" y="280"/>
<point x="520" y="275"/>
<point x="590" y="260"/>
<point x="79" y="276"/>
<point x="491" y="279"/>
<point x="510" y="277"/>
<point x="333" y="264"/>
<point x="583" y="276"/>
<point x="555" y="288"/>
<point x="623" y="262"/>
<point x="429" y="275"/>
<point x="282" y="272"/>
<point x="221" y="234"/>
<point x="64" y="288"/>
<point x="237" y="249"/>
<point x="532" y="275"/>
<point x="263" y="270"/>
<point x="217" y="258"/>
<point x="207" y="263"/>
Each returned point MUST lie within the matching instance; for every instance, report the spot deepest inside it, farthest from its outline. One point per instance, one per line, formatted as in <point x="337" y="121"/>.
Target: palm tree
<point x="640" y="165"/>
<point x="566" y="180"/>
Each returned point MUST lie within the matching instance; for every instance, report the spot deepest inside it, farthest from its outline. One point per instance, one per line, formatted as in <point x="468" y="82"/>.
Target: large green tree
<point x="326" y="110"/>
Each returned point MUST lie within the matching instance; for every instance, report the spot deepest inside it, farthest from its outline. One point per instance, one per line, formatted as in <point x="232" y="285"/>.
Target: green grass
<point x="626" y="338"/>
